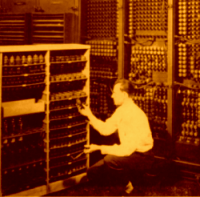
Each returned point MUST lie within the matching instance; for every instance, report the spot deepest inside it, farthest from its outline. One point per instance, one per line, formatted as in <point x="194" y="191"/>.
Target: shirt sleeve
<point x="105" y="128"/>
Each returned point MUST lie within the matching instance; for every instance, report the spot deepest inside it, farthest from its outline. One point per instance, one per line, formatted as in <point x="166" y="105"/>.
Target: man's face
<point x="118" y="95"/>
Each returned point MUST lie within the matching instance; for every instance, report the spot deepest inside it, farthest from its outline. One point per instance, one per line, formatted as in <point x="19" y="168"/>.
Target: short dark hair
<point x="126" y="85"/>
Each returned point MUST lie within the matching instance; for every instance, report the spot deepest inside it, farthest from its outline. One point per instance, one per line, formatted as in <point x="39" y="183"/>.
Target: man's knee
<point x="113" y="162"/>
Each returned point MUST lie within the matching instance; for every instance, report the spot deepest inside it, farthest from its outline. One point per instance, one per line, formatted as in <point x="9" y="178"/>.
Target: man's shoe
<point x="129" y="188"/>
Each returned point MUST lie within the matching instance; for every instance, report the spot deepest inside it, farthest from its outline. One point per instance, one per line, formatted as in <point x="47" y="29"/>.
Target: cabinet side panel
<point x="0" y="120"/>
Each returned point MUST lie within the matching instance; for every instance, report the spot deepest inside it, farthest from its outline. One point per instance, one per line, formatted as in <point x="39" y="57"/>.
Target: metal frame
<point x="47" y="58"/>
<point x="171" y="65"/>
<point x="1" y="59"/>
<point x="121" y="23"/>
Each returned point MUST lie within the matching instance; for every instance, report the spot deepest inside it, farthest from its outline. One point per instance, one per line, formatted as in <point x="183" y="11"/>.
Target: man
<point x="134" y="133"/>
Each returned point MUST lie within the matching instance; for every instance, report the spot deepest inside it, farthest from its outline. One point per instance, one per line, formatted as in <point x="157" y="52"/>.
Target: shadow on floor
<point x="168" y="184"/>
<point x="180" y="188"/>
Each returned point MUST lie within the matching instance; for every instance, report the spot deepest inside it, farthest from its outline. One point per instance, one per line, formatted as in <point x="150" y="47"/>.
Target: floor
<point x="180" y="188"/>
<point x="166" y="183"/>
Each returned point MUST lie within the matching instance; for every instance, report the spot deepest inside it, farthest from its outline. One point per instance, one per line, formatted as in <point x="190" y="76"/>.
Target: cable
<point x="142" y="85"/>
<point x="185" y="85"/>
<point x="186" y="41"/>
<point x="77" y="156"/>
<point x="143" y="43"/>
<point x="192" y="42"/>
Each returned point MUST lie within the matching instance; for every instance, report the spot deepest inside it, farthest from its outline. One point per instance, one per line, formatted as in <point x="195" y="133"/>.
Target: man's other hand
<point x="91" y="148"/>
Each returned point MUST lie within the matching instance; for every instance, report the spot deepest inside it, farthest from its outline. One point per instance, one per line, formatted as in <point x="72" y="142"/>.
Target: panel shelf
<point x="69" y="126"/>
<point x="23" y="80"/>
<point x="70" y="173"/>
<point x="24" y="164"/>
<point x="70" y="131"/>
<point x="68" y="136"/>
<point x="64" y="108"/>
<point x="67" y="150"/>
<point x="69" y="144"/>
<point x="24" y="75"/>
<point x="26" y="136"/>
<point x="23" y="69"/>
<point x="68" y="163"/>
<point x="65" y="104"/>
<point x="19" y="65"/>
<point x="67" y="155"/>
<point x="23" y="85"/>
<point x="67" y="96"/>
<point x="65" y="117"/>
<point x="31" y="131"/>
<point x="67" y="78"/>
<point x="70" y="61"/>
<point x="78" y="165"/>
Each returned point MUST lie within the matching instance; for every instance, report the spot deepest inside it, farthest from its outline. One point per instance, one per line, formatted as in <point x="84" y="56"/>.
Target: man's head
<point x="122" y="90"/>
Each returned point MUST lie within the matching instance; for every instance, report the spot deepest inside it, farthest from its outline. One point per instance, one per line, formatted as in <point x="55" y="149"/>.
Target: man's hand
<point x="91" y="148"/>
<point x="84" y="109"/>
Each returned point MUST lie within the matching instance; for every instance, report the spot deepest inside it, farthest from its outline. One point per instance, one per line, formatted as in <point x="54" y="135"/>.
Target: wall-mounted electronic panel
<point x="187" y="80"/>
<point x="147" y="18"/>
<point x="101" y="32"/>
<point x="14" y="29"/>
<point x="148" y="65"/>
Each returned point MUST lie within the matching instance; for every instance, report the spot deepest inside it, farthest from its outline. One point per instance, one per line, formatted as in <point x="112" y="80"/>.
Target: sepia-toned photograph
<point x="99" y="98"/>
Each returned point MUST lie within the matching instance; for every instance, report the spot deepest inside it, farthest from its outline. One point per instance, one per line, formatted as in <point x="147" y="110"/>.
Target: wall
<point x="49" y="6"/>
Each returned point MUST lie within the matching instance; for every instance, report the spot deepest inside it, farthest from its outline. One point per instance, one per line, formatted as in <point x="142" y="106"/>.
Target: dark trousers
<point x="114" y="169"/>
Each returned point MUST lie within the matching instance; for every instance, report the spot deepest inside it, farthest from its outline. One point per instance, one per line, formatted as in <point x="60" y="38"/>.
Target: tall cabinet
<point x="163" y="39"/>
<point x="42" y="132"/>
